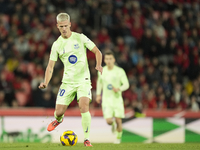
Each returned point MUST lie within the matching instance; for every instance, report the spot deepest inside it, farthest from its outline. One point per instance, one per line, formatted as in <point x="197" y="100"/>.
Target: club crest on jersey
<point x="72" y="59"/>
<point x="76" y="46"/>
<point x="110" y="87"/>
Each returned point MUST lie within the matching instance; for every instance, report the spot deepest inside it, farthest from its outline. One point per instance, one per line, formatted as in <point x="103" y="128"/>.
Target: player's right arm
<point x="99" y="88"/>
<point x="49" y="70"/>
<point x="48" y="74"/>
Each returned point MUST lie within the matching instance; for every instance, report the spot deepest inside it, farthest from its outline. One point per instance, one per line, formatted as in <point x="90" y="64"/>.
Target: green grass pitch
<point x="99" y="146"/>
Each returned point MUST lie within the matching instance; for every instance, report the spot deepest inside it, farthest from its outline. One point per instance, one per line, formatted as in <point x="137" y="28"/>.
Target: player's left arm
<point x="124" y="82"/>
<point x="92" y="47"/>
<point x="98" y="55"/>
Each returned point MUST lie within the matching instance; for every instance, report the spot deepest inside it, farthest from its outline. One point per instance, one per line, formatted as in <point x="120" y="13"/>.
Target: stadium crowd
<point x="157" y="42"/>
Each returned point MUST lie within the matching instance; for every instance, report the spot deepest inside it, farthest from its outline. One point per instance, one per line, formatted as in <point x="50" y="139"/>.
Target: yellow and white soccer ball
<point x="68" y="138"/>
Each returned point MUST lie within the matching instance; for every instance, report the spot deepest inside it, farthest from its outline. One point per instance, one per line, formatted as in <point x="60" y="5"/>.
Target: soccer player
<point x="70" y="47"/>
<point x="113" y="82"/>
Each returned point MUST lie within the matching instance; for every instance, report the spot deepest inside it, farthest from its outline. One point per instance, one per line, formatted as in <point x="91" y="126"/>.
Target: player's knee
<point x="109" y="121"/>
<point x="118" y="121"/>
<point x="60" y="110"/>
<point x="84" y="109"/>
<point x="84" y="104"/>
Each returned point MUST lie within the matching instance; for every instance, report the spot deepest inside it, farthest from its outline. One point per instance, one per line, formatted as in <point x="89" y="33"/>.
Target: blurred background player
<point x="70" y="47"/>
<point x="113" y="82"/>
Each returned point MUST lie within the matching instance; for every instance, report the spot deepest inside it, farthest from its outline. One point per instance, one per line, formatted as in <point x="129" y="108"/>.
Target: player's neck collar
<point x="68" y="37"/>
<point x="111" y="68"/>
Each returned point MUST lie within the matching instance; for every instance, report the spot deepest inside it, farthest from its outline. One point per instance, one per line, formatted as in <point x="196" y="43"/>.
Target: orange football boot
<point x="87" y="143"/>
<point x="53" y="125"/>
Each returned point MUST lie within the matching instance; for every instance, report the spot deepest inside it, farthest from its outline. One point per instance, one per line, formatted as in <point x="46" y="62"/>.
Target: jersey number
<point x="62" y="91"/>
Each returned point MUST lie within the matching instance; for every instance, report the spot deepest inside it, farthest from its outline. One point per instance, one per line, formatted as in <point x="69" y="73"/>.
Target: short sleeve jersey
<point x="109" y="78"/>
<point x="72" y="52"/>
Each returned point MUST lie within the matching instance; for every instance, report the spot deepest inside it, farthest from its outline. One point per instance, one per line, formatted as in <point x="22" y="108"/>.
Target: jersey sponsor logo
<point x="72" y="59"/>
<point x="110" y="87"/>
<point x="76" y="46"/>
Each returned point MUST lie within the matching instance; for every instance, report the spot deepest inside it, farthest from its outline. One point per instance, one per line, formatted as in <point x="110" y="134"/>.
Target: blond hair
<point x="62" y="17"/>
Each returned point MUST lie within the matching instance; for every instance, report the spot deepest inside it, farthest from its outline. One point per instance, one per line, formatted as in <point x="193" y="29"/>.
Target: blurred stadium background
<point x="157" y="42"/>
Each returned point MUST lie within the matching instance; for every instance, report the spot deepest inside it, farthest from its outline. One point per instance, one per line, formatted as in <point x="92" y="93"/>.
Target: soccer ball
<point x="68" y="138"/>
